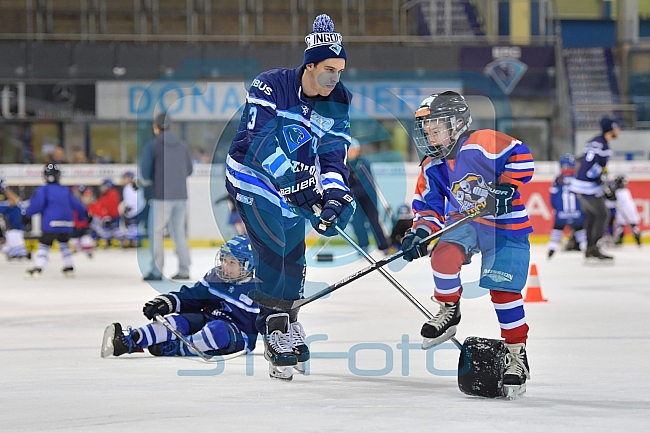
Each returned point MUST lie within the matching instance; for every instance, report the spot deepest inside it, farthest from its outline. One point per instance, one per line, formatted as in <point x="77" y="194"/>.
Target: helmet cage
<point x="430" y="138"/>
<point x="439" y="122"/>
<point x="241" y="252"/>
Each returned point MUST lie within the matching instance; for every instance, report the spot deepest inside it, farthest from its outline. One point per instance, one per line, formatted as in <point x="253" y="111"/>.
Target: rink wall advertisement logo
<point x="383" y="357"/>
<point x="203" y="100"/>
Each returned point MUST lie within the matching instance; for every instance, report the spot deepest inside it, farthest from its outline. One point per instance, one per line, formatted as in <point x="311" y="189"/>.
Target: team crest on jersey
<point x="295" y="136"/>
<point x="470" y="191"/>
<point x="323" y="123"/>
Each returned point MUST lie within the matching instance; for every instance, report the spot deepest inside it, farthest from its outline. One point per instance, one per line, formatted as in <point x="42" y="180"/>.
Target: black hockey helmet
<point x="620" y="182"/>
<point x="439" y="123"/>
<point x="52" y="173"/>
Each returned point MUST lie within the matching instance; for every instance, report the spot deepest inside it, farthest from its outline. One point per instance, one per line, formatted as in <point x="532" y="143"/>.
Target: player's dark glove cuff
<point x="162" y="305"/>
<point x="500" y="197"/>
<point x="412" y="246"/>
<point x="299" y="190"/>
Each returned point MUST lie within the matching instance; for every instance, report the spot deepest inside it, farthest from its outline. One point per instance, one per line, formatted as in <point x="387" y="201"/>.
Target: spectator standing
<point x="167" y="162"/>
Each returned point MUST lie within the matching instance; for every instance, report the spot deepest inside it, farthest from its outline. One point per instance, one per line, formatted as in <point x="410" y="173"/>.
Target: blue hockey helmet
<point x="567" y="161"/>
<point x="238" y="247"/>
<point x="52" y="173"/>
<point x="129" y="174"/>
<point x="108" y="183"/>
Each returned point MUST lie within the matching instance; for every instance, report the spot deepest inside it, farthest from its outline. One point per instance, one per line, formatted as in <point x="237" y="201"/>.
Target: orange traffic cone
<point x="534" y="290"/>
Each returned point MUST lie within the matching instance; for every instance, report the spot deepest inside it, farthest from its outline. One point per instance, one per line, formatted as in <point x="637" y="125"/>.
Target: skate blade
<point x="592" y="261"/>
<point x="282" y="373"/>
<point x="69" y="274"/>
<point x="513" y="392"/>
<point x="34" y="276"/>
<point x="300" y="367"/>
<point x="107" y="341"/>
<point x="428" y="343"/>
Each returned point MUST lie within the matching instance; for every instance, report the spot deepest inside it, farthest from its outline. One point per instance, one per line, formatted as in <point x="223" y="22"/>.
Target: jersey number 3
<point x="252" y="114"/>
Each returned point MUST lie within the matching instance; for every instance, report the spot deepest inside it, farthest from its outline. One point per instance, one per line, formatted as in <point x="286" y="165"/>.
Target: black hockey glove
<point x="162" y="305"/>
<point x="89" y="217"/>
<point x="299" y="190"/>
<point x="411" y="245"/>
<point x="339" y="207"/>
<point x="499" y="198"/>
<point x="25" y="220"/>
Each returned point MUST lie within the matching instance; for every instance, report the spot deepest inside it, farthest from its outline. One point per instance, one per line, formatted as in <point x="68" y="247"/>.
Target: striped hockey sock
<point x="509" y="307"/>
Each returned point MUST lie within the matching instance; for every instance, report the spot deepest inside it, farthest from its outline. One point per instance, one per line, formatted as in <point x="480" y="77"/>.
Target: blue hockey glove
<point x="299" y="190"/>
<point x="499" y="198"/>
<point x="338" y="209"/>
<point x="411" y="245"/>
<point x="162" y="305"/>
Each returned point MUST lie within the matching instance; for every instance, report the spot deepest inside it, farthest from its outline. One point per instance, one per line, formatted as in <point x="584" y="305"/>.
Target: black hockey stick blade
<point x="267" y="301"/>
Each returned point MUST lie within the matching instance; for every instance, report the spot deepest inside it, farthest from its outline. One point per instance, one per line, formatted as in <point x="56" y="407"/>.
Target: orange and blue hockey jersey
<point x="483" y="156"/>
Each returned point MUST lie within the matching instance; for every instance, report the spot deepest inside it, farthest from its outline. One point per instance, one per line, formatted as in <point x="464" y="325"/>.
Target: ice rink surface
<point x="589" y="351"/>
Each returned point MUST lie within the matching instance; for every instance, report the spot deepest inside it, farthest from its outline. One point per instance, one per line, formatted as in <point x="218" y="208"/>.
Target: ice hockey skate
<point x="593" y="255"/>
<point x="278" y="349"/>
<point x="68" y="272"/>
<point x="166" y="348"/>
<point x="514" y="379"/>
<point x="33" y="273"/>
<point x="442" y="326"/>
<point x="116" y="343"/>
<point x="300" y="349"/>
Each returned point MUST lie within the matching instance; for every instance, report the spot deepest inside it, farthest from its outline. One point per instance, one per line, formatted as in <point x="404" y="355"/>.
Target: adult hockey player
<point x="55" y="203"/>
<point x="588" y="185"/>
<point x="215" y="314"/>
<point x="288" y="156"/>
<point x="566" y="206"/>
<point x="472" y="170"/>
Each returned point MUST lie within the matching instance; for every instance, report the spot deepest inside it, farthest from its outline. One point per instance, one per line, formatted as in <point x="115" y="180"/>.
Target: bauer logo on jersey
<point x="296" y="136"/>
<point x="470" y="191"/>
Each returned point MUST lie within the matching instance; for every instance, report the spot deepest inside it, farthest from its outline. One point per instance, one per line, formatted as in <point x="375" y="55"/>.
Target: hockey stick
<point x="392" y="280"/>
<point x="216" y="358"/>
<point x="288" y="304"/>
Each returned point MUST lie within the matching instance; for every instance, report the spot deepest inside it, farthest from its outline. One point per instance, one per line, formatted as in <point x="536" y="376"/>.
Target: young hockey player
<point x="105" y="210"/>
<point x="81" y="236"/>
<point x="473" y="170"/>
<point x="215" y="314"/>
<point x="626" y="212"/>
<point x="55" y="203"/>
<point x="566" y="206"/>
<point x="134" y="203"/>
<point x="10" y="208"/>
<point x="291" y="142"/>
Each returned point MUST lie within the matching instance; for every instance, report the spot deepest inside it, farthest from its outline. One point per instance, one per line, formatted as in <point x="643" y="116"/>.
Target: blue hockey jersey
<point x="592" y="163"/>
<point x="564" y="201"/>
<point x="282" y="132"/>
<point x="222" y="300"/>
<point x="55" y="203"/>
<point x="483" y="156"/>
